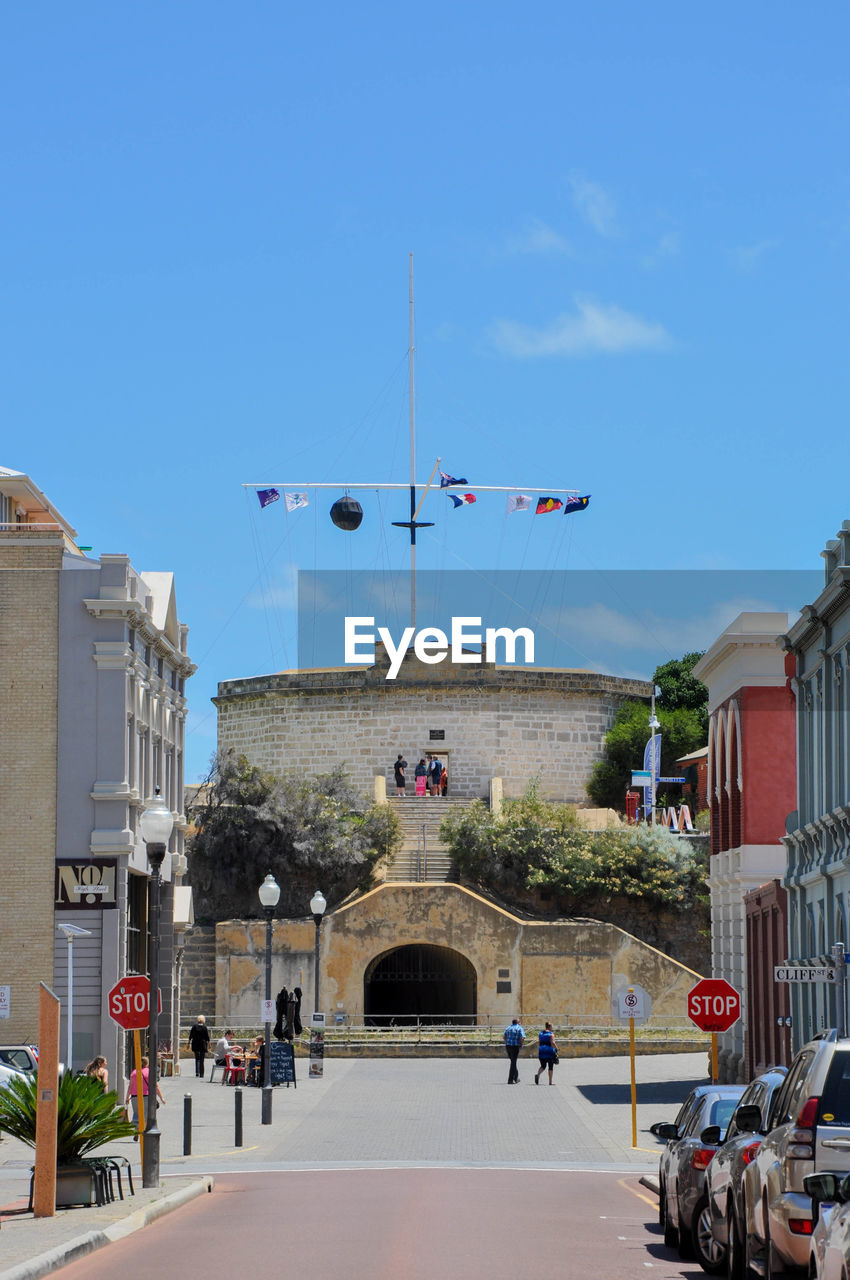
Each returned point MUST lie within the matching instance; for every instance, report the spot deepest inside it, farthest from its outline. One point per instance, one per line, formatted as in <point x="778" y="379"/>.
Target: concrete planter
<point x="74" y="1185"/>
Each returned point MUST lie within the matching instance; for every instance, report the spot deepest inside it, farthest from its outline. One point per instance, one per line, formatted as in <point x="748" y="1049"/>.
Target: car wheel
<point x="671" y="1235"/>
<point x="735" y="1248"/>
<point x="709" y="1253"/>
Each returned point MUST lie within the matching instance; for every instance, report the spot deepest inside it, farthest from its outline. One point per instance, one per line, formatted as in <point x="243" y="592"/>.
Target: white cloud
<point x="595" y="327"/>
<point x="748" y="255"/>
<point x="650" y="632"/>
<point x="538" y="238"/>
<point x="594" y="204"/>
<point x="669" y="246"/>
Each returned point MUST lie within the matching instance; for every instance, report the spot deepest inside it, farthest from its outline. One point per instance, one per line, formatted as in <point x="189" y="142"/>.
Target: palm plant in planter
<point x="86" y="1119"/>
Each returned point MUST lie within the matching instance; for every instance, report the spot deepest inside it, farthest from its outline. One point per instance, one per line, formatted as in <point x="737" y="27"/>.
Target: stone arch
<point x="420" y="982"/>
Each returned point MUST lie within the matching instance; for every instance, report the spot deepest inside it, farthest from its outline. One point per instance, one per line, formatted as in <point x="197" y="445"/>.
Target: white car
<point x="16" y="1060"/>
<point x="829" y="1252"/>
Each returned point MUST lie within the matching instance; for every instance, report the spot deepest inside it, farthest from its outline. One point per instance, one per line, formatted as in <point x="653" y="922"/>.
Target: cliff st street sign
<point x="804" y="973"/>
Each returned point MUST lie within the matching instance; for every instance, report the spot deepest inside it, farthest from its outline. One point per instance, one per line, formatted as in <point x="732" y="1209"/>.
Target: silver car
<point x="681" y="1172"/>
<point x="808" y="1131"/>
<point x="719" y="1215"/>
<point x="829" y="1252"/>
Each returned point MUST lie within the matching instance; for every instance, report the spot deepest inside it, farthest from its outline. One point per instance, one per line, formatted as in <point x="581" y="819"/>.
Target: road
<point x="415" y="1224"/>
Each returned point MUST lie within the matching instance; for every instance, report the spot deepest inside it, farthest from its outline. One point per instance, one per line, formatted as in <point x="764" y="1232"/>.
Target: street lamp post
<point x="155" y="824"/>
<point x="71" y="931"/>
<point x="269" y="897"/>
<point x="317" y="906"/>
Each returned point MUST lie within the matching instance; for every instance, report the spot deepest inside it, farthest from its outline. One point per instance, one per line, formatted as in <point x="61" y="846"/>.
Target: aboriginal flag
<point x="545" y="505"/>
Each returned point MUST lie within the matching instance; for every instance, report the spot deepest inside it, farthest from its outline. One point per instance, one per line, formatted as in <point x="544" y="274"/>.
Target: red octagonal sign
<point x="714" y="1005"/>
<point x="128" y="1002"/>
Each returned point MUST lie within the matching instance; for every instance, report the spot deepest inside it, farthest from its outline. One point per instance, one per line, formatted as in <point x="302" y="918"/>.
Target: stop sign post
<point x="128" y="1004"/>
<point x="714" y="1005"/>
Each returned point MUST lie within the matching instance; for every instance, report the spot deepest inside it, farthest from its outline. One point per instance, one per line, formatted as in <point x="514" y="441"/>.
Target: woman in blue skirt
<point x="547" y="1052"/>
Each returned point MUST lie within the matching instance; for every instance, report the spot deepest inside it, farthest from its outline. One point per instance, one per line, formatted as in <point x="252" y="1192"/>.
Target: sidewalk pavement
<point x="365" y="1113"/>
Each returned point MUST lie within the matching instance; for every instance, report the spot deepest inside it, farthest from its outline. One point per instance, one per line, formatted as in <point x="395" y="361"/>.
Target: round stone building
<point x="484" y="721"/>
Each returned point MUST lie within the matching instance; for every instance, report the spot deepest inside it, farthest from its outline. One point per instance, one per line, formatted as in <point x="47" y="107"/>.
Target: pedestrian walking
<point x="132" y="1097"/>
<point x="199" y="1043"/>
<point x="97" y="1070"/>
<point x="398" y="769"/>
<point x="421" y="775"/>
<point x="547" y="1052"/>
<point x="514" y="1037"/>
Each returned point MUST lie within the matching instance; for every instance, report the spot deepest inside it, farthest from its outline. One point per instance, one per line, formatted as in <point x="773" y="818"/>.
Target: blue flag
<point x="647" y="764"/>
<point x="446" y="480"/>
<point x="576" y="504"/>
<point x="267" y="495"/>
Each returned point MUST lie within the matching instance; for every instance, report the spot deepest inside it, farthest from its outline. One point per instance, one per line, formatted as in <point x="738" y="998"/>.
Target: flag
<point x="647" y="765"/>
<point x="545" y="505"/>
<point x="518" y="502"/>
<point x="465" y="499"/>
<point x="267" y="495"/>
<point x="295" y="500"/>
<point x="576" y="504"/>
<point x="446" y="480"/>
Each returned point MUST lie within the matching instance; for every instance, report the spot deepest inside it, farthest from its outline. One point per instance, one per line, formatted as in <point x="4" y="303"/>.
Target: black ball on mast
<point x="347" y="514"/>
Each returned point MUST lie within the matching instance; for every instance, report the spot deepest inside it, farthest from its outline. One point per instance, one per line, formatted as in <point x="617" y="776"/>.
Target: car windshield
<point x="835" y="1100"/>
<point x="721" y="1111"/>
<point x="19" y="1059"/>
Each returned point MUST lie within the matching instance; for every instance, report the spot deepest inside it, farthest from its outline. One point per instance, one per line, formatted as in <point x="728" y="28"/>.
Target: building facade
<point x="818" y="839"/>
<point x="751" y="788"/>
<point x="93" y="668"/>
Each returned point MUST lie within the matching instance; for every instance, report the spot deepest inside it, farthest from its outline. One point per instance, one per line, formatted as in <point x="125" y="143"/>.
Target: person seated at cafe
<point x="225" y="1046"/>
<point x="255" y="1061"/>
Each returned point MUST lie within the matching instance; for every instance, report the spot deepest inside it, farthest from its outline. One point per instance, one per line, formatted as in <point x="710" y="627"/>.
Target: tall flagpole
<point x="412" y="524"/>
<point x="412" y="397"/>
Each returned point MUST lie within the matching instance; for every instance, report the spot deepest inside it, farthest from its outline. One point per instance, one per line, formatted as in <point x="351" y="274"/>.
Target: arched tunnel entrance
<point x="420" y="982"/>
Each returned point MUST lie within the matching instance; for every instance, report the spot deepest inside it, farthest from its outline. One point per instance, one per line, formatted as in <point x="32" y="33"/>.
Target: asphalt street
<point x="376" y="1115"/>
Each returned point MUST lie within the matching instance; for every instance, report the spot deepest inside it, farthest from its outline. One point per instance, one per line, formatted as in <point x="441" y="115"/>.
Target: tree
<point x="681" y="689"/>
<point x="682" y="710"/>
<point x="313" y="833"/>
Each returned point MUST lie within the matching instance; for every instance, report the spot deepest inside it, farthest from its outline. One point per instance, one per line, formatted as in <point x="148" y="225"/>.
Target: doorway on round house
<point x="420" y="983"/>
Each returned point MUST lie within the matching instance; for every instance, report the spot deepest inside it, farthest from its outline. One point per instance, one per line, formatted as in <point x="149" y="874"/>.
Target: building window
<point x="137" y="924"/>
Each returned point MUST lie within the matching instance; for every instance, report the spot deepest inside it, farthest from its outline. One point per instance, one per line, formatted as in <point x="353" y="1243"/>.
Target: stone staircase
<point x="417" y="859"/>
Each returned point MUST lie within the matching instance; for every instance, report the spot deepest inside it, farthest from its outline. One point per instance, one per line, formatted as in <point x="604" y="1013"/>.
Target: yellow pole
<point x="140" y="1096"/>
<point x="715" y="1072"/>
<point x="634" y="1087"/>
<point x="47" y="1105"/>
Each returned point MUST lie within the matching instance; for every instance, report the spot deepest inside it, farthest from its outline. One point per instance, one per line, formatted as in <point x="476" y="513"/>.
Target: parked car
<point x="719" y="1215"/>
<point x="808" y="1131"/>
<point x="681" y="1172"/>
<point x="829" y="1250"/>
<point x="16" y="1059"/>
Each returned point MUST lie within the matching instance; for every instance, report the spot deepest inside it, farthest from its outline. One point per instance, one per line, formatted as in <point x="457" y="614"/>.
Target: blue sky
<point x="631" y="230"/>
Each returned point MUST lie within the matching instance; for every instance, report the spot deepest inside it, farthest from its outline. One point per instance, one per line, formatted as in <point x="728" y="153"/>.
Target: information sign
<point x="282" y="1060"/>
<point x="5" y="1001"/>
<point x="633" y="1002"/>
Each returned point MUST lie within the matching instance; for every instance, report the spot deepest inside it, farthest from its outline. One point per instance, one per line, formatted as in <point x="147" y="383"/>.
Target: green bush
<point x="86" y="1116"/>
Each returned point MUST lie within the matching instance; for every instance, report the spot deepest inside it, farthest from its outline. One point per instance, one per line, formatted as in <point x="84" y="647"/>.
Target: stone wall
<point x="542" y="968"/>
<point x="514" y="723"/>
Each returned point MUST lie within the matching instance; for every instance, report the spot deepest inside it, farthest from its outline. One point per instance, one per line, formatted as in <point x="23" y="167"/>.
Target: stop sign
<point x="714" y="1005"/>
<point x="128" y="1002"/>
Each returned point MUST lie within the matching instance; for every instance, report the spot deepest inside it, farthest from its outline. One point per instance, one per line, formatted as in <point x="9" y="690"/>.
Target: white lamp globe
<point x="317" y="903"/>
<point x="156" y="821"/>
<point x="269" y="891"/>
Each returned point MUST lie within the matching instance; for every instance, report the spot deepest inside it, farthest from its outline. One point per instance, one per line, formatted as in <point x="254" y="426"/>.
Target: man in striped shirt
<point x="514" y="1040"/>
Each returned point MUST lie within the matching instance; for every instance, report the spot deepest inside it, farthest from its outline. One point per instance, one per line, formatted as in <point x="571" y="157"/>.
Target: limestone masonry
<point x="483" y="721"/>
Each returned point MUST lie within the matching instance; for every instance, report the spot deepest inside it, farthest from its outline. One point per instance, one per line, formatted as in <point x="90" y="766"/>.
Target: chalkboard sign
<point x="282" y="1063"/>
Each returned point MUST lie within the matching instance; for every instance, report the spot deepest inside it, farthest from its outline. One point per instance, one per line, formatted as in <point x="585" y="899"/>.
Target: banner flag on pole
<point x="465" y="499"/>
<point x="576" y="504"/>
<point x="518" y="502"/>
<point x="647" y="764"/>
<point x="296" y="500"/>
<point x="266" y="496"/>
<point x="446" y="480"/>
<point x="545" y="505"/>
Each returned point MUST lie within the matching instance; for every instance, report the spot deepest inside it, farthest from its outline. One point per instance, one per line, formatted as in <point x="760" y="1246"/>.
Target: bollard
<point x="237" y="1106"/>
<point x="187" y="1124"/>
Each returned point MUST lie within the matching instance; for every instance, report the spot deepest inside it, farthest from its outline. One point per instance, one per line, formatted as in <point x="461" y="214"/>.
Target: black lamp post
<point x="317" y="906"/>
<point x="269" y="895"/>
<point x="155" y="824"/>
